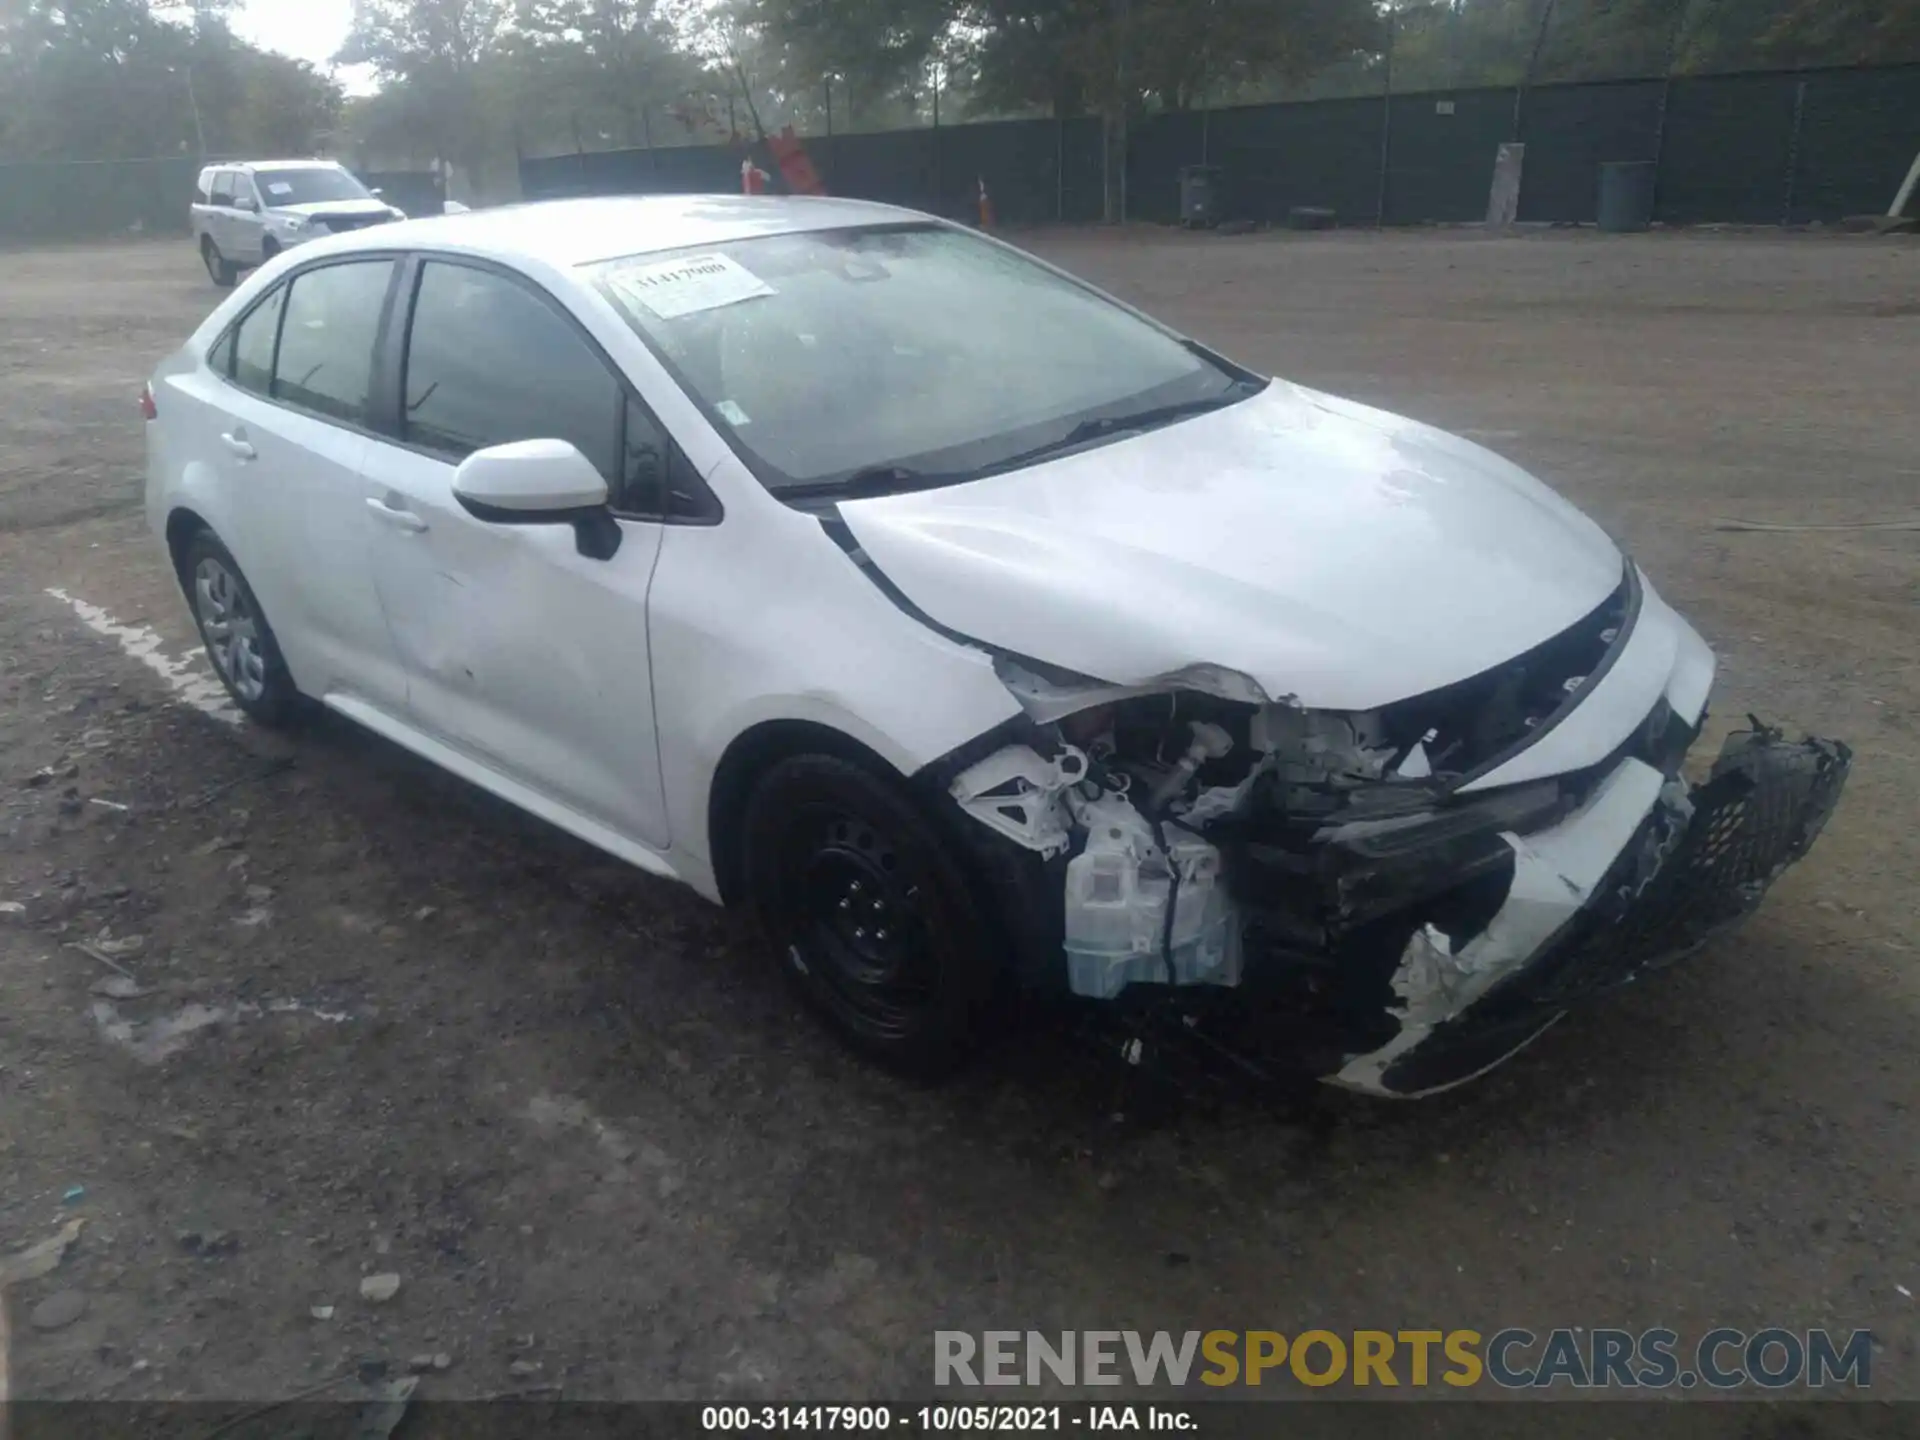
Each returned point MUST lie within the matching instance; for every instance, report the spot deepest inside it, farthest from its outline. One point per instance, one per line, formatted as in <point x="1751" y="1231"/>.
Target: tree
<point x="114" y="79"/>
<point x="433" y="51"/>
<point x="614" y="60"/>
<point x="1842" y="31"/>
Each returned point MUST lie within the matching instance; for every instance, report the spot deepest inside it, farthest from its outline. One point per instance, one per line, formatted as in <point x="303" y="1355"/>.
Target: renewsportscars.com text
<point x="1576" y="1358"/>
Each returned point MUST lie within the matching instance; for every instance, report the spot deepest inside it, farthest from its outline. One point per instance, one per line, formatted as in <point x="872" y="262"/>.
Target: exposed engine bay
<point x="1325" y="888"/>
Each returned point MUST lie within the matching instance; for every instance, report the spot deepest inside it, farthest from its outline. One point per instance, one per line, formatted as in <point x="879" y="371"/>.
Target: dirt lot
<point x="392" y="1027"/>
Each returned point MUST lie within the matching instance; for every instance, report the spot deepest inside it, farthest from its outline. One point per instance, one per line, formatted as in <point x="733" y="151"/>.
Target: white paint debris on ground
<point x="152" y="1041"/>
<point x="189" y="678"/>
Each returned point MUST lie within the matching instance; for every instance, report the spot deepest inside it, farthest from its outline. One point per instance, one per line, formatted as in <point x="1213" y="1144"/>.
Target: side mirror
<point x="252" y="207"/>
<point x="540" y="482"/>
<point x="378" y="193"/>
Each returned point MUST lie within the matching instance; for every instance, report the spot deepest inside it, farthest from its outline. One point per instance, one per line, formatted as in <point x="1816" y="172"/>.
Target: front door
<point x="519" y="651"/>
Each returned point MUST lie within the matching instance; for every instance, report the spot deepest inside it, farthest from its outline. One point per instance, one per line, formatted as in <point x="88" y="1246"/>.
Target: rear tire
<point x="871" y="915"/>
<point x="222" y="271"/>
<point x="240" y="644"/>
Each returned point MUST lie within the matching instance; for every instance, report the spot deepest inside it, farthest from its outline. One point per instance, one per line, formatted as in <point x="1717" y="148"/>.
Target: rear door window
<point x="254" y="343"/>
<point x="325" y="360"/>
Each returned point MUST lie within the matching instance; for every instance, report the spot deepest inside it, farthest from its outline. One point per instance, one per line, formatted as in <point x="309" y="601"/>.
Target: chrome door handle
<point x="399" y="519"/>
<point x="239" y="445"/>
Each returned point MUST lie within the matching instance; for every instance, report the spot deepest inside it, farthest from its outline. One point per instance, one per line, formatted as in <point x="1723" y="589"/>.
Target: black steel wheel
<point x="872" y="916"/>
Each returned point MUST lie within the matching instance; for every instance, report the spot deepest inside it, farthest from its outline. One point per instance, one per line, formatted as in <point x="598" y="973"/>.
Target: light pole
<point x="193" y="103"/>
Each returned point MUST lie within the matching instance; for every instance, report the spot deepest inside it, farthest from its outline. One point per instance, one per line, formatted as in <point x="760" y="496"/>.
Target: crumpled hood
<point x="314" y="209"/>
<point x="1335" y="553"/>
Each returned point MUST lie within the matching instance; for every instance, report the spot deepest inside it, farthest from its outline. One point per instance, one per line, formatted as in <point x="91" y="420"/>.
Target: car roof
<point x="566" y="233"/>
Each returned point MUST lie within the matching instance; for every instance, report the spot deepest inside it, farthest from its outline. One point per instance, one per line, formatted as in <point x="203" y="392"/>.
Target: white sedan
<point x="975" y="631"/>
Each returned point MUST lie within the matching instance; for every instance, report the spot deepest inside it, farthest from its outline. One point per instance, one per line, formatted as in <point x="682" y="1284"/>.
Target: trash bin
<point x="1199" y="196"/>
<point x="1626" y="196"/>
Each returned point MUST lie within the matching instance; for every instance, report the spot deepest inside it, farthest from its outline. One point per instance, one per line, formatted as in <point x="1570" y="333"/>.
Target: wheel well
<point x="182" y="526"/>
<point x="750" y="756"/>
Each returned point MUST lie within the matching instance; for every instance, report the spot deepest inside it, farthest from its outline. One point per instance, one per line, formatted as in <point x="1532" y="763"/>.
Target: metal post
<point x="1386" y="131"/>
<point x="828" y="84"/>
<point x="199" y="130"/>
<point x="1060" y="166"/>
<point x="1533" y="63"/>
<point x="1793" y="150"/>
<point x="1666" y="93"/>
<point x="1125" y="157"/>
<point x="1106" y="163"/>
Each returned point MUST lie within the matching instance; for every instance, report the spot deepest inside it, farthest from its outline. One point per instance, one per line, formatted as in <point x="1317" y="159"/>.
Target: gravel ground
<point x="378" y="1024"/>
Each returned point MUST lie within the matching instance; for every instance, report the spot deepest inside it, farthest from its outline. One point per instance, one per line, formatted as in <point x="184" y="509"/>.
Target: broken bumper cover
<point x="1643" y="874"/>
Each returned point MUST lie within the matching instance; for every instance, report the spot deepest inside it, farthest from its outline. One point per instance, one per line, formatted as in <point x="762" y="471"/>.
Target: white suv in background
<point x="245" y="213"/>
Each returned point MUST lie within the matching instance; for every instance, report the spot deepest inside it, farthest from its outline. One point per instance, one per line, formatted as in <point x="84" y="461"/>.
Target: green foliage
<point x="114" y="79"/>
<point x="459" y="79"/>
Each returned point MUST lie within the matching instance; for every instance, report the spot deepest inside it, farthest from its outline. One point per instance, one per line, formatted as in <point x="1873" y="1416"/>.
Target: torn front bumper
<point x="1644" y="873"/>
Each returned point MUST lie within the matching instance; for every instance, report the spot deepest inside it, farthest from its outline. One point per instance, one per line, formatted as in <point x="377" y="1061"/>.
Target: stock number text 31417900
<point x="868" y="1418"/>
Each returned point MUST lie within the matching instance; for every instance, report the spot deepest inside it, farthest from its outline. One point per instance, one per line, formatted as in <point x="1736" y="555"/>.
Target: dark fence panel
<point x="1082" y="187"/>
<point x="1859" y="131"/>
<point x="1726" y="151"/>
<point x="1156" y="149"/>
<point x="1440" y="154"/>
<point x="1570" y="132"/>
<point x="1020" y="162"/>
<point x="1753" y="149"/>
<point x="64" y="200"/>
<point x="897" y="167"/>
<point x="1272" y="157"/>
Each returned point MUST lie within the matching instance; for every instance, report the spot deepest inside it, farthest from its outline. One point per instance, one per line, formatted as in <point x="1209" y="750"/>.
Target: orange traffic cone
<point x="986" y="205"/>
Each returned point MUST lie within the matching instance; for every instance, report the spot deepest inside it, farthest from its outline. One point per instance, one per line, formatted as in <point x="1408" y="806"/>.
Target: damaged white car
<point x="973" y="629"/>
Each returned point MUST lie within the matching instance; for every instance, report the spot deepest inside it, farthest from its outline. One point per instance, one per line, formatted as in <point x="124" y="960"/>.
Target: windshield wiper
<point x="871" y="481"/>
<point x="1102" y="426"/>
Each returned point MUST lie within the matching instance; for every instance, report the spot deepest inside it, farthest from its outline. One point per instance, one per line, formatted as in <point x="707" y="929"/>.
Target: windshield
<point x="882" y="358"/>
<point x="305" y="186"/>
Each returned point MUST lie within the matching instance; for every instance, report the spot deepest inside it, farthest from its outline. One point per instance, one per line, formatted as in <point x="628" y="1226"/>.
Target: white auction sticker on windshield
<point x="279" y="187"/>
<point x="672" y="288"/>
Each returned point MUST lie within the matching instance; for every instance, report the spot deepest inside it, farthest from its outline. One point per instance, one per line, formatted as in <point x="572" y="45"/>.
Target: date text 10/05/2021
<point x="940" y="1419"/>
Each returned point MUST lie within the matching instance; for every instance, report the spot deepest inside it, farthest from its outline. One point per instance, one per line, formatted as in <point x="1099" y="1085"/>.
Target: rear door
<point x="285" y="421"/>
<point x="220" y="213"/>
<point x="202" y="205"/>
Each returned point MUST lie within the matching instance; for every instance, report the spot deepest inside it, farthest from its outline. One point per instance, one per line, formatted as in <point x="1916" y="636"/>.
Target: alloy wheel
<point x="231" y="628"/>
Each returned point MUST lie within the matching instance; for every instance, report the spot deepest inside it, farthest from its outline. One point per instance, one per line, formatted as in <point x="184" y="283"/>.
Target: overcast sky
<point x="306" y="29"/>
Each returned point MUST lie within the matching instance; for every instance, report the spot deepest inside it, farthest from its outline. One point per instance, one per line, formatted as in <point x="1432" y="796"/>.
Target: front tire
<point x="269" y="248"/>
<point x="222" y="271"/>
<point x="240" y="643"/>
<point x="872" y="916"/>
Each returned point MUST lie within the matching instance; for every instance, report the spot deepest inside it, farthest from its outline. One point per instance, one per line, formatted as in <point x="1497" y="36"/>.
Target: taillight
<point x="148" y="409"/>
